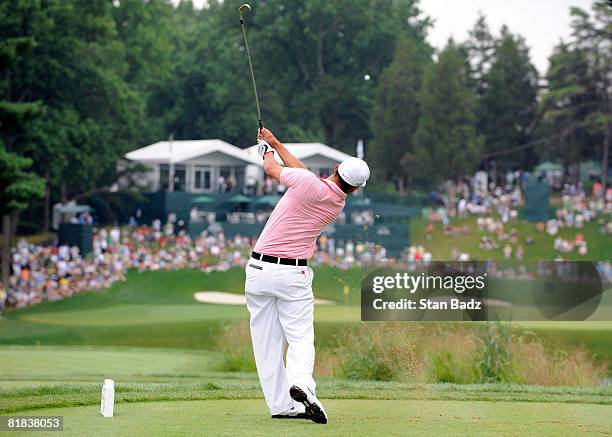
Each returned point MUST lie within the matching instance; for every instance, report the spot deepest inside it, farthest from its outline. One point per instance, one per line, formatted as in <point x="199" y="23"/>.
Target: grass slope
<point x="157" y="309"/>
<point x="600" y="245"/>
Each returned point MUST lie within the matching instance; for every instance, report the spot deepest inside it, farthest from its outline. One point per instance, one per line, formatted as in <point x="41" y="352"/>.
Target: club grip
<point x="260" y="125"/>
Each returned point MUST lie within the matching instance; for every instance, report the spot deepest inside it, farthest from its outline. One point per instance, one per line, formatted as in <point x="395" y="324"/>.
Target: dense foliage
<point x="83" y="82"/>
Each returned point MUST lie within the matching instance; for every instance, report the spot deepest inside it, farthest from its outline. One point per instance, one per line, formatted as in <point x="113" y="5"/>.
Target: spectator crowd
<point x="496" y="211"/>
<point x="40" y="273"/>
<point x="47" y="273"/>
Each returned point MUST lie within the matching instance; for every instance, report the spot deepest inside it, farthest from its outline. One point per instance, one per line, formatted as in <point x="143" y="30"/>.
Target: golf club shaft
<point x="246" y="43"/>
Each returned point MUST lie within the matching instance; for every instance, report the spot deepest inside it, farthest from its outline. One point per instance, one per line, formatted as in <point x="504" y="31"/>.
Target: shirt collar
<point x="331" y="184"/>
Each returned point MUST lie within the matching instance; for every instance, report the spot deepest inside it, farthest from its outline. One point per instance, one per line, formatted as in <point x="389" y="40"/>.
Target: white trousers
<point x="280" y="301"/>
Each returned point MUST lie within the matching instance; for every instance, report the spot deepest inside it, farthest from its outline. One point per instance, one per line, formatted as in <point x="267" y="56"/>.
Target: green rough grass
<point x="347" y="417"/>
<point x="54" y="377"/>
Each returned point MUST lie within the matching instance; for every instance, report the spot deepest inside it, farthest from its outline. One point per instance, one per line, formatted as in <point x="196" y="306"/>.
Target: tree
<point x="508" y="103"/>
<point x="592" y="34"/>
<point x="17" y="189"/>
<point x="14" y="112"/>
<point x="446" y="140"/>
<point x="565" y="106"/>
<point x="312" y="66"/>
<point x="396" y="112"/>
<point x="576" y="106"/>
<point x="149" y="31"/>
<point x="76" y="69"/>
<point x="480" y="49"/>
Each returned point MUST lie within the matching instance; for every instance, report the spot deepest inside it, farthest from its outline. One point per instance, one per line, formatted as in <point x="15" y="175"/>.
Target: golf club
<point x="243" y="10"/>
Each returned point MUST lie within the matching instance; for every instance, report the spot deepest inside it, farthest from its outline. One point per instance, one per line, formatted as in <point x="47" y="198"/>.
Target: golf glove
<point x="264" y="148"/>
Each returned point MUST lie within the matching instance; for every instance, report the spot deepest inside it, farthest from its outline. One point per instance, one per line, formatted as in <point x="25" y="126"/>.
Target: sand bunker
<point x="220" y="297"/>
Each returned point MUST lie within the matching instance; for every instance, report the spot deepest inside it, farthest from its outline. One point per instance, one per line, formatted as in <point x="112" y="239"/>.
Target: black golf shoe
<point x="314" y="408"/>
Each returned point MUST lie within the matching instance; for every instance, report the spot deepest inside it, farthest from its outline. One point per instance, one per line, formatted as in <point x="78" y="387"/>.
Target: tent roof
<point x="306" y="150"/>
<point x="161" y="153"/>
<point x="203" y="199"/>
<point x="548" y="166"/>
<point x="239" y="198"/>
<point x="73" y="209"/>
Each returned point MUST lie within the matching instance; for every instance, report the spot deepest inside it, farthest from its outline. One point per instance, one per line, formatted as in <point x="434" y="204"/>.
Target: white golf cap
<point x="354" y="171"/>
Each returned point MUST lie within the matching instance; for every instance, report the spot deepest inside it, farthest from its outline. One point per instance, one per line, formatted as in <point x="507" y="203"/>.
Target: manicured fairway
<point x="142" y="314"/>
<point x="347" y="417"/>
<point x="66" y="363"/>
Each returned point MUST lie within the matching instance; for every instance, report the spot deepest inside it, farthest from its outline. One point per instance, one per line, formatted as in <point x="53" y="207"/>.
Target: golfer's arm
<point x="287" y="157"/>
<point x="271" y="167"/>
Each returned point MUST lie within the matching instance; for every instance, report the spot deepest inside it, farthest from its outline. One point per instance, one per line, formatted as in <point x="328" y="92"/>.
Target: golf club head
<point x="244" y="8"/>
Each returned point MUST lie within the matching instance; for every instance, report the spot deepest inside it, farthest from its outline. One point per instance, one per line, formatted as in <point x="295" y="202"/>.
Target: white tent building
<point x="200" y="166"/>
<point x="319" y="158"/>
<point x="195" y="166"/>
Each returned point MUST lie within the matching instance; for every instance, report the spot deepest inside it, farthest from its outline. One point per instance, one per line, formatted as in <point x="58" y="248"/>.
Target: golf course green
<point x="160" y="346"/>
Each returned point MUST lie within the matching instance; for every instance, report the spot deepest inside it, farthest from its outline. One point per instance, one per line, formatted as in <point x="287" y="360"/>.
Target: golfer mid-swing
<point x="278" y="283"/>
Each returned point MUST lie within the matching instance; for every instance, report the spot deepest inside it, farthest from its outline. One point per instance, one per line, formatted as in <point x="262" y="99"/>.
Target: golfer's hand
<point x="266" y="135"/>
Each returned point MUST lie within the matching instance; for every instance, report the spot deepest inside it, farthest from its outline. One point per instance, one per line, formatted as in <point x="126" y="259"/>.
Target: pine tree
<point x="592" y="34"/>
<point x="447" y="144"/>
<point x="17" y="187"/>
<point x="565" y="106"/>
<point x="480" y="48"/>
<point x="577" y="106"/>
<point x="396" y="113"/>
<point x="508" y="103"/>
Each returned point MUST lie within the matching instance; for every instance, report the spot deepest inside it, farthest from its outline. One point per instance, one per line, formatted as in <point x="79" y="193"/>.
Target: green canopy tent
<point x="73" y="209"/>
<point x="239" y="202"/>
<point x="65" y="213"/>
<point x="203" y="203"/>
<point x="590" y="170"/>
<point x="203" y="200"/>
<point x="239" y="198"/>
<point x="547" y="167"/>
<point x="268" y="201"/>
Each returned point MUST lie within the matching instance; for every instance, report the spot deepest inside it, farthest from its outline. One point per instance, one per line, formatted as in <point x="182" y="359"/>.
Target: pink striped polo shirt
<point x="308" y="206"/>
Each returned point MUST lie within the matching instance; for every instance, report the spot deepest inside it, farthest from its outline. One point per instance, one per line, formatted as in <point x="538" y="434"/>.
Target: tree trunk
<point x="410" y="180"/>
<point x="605" y="160"/>
<point x="452" y="194"/>
<point x="400" y="184"/>
<point x="494" y="174"/>
<point x="14" y="220"/>
<point x="6" y="249"/>
<point x="47" y="203"/>
<point x="63" y="193"/>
